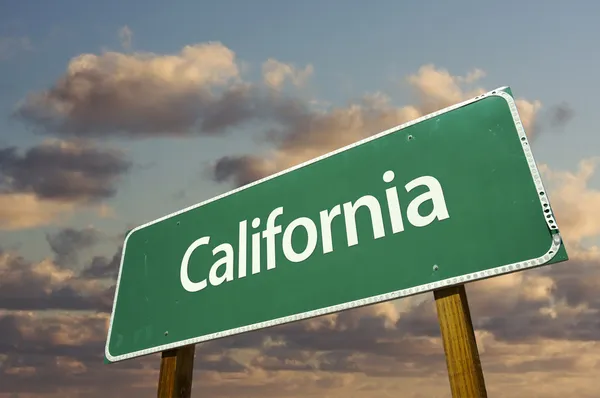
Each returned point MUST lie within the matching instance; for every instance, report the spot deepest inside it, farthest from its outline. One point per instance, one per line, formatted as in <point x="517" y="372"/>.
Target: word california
<point x="224" y="268"/>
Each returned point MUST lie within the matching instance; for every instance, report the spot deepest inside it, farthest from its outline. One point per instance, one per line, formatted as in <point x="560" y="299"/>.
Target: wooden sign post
<point x="176" y="373"/>
<point x="462" y="357"/>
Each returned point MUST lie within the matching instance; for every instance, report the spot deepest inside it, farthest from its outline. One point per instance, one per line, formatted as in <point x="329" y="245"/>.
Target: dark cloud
<point x="62" y="170"/>
<point x="560" y="115"/>
<point x="278" y="358"/>
<point x="372" y="342"/>
<point x="223" y="364"/>
<point x="554" y="118"/>
<point x="64" y="298"/>
<point x="250" y="103"/>
<point x="239" y="341"/>
<point x="553" y="302"/>
<point x="104" y="267"/>
<point x="243" y="169"/>
<point x="67" y="243"/>
<point x="338" y="361"/>
<point x="45" y="286"/>
<point x="328" y="343"/>
<point x="543" y="365"/>
<point x="43" y="354"/>
<point x="107" y="108"/>
<point x="36" y="334"/>
<point x="113" y="111"/>
<point x="529" y="326"/>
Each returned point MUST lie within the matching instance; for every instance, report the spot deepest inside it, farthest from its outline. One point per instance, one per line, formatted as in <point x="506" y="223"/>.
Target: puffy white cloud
<point x="275" y="73"/>
<point x="577" y="205"/>
<point x="135" y="94"/>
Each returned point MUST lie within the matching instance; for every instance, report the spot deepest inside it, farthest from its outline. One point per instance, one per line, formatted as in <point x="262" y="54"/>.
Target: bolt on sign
<point x="449" y="198"/>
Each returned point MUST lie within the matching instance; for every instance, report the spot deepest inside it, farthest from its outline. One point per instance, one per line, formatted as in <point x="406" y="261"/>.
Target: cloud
<point x="576" y="283"/>
<point x="545" y="367"/>
<point x="125" y="36"/>
<point x="554" y="118"/>
<point x="60" y="170"/>
<point x="50" y="181"/>
<point x="43" y="354"/>
<point x="528" y="110"/>
<point x="357" y="356"/>
<point x="67" y="243"/>
<point x="44" y="285"/>
<point x="217" y="363"/>
<point x="437" y="88"/>
<point x="10" y="46"/>
<point x="243" y="169"/>
<point x="577" y="206"/>
<point x="104" y="267"/>
<point x="472" y="76"/>
<point x="35" y="332"/>
<point x="21" y="211"/>
<point x="301" y="136"/>
<point x="275" y="73"/>
<point x="138" y="94"/>
<point x="200" y="90"/>
<point x="314" y="133"/>
<point x="561" y="114"/>
<point x="244" y="103"/>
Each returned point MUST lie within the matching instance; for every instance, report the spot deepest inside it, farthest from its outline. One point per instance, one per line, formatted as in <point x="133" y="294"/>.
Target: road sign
<point x="449" y="198"/>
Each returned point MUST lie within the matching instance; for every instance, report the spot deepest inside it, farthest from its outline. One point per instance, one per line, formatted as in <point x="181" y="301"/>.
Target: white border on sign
<point x="504" y="269"/>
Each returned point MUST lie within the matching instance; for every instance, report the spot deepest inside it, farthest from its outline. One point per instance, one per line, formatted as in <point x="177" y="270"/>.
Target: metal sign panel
<point x="449" y="198"/>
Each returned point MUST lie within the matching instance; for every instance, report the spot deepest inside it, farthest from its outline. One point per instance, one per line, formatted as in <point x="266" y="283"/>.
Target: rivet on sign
<point x="166" y="333"/>
<point x="435" y="267"/>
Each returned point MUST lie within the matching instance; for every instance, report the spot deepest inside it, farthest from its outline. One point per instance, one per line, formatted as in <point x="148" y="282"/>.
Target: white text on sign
<point x="223" y="269"/>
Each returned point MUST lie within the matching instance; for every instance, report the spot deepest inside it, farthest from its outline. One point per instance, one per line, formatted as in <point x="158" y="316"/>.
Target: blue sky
<point x="545" y="51"/>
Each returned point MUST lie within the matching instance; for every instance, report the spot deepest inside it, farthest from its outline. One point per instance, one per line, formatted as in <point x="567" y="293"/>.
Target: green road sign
<point x="452" y="197"/>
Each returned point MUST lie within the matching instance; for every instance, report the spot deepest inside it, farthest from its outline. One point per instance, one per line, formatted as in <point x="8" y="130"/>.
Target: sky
<point x="113" y="114"/>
